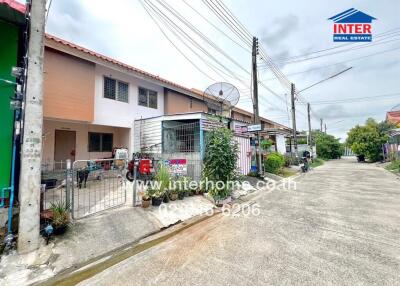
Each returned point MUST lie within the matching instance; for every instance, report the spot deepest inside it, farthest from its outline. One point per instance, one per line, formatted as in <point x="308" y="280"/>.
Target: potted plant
<point x="166" y="196"/>
<point x="173" y="194"/>
<point x="221" y="197"/>
<point x="157" y="198"/>
<point x="181" y="194"/>
<point x="61" y="215"/>
<point x="146" y="200"/>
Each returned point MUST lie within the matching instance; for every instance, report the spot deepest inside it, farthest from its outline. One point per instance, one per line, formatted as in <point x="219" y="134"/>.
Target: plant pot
<point x="199" y="192"/>
<point x="156" y="201"/>
<point x="173" y="196"/>
<point x="58" y="230"/>
<point x="166" y="198"/>
<point x="146" y="204"/>
<point x="221" y="202"/>
<point x="181" y="195"/>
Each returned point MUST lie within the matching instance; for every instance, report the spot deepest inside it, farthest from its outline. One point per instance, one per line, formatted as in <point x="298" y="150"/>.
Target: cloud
<point x="281" y="28"/>
<point x="333" y="111"/>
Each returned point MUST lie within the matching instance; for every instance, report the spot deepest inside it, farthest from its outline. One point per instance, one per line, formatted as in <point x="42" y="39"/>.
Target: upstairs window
<point x="147" y="98"/>
<point x="115" y="89"/>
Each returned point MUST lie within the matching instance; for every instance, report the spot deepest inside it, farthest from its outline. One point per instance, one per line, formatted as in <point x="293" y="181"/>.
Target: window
<point x="212" y="111"/>
<point x="147" y="98"/>
<point x="152" y="99"/>
<point x="142" y="97"/>
<point x="117" y="90"/>
<point x="100" y="142"/>
<point x="123" y="91"/>
<point x="109" y="88"/>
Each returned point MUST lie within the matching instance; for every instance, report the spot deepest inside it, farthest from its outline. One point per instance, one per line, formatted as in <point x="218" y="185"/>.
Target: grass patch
<point x="286" y="172"/>
<point x="394" y="166"/>
<point x="317" y="162"/>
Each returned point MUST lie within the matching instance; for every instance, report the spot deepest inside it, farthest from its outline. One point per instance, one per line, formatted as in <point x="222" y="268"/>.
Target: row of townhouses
<point x="93" y="103"/>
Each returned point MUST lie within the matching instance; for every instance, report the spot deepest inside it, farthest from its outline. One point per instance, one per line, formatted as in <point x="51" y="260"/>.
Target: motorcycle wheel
<point x="129" y="176"/>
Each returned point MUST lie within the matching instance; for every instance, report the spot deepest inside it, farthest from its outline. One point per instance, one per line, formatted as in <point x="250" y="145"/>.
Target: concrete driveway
<point x="341" y="226"/>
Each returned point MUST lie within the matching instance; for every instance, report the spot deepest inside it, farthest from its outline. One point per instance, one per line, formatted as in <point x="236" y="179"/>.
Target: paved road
<point x="340" y="227"/>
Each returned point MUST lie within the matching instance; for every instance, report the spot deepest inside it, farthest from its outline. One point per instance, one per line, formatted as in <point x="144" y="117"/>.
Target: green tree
<point x="221" y="154"/>
<point x="266" y="143"/>
<point x="328" y="147"/>
<point x="367" y="139"/>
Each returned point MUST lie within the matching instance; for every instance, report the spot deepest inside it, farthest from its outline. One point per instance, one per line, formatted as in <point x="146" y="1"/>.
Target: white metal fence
<point x="97" y="185"/>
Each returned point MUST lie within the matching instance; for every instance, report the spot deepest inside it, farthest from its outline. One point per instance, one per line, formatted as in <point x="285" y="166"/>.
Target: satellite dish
<point x="221" y="97"/>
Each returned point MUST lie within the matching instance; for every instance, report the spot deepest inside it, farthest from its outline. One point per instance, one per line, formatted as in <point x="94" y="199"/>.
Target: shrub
<point x="220" y="157"/>
<point x="367" y="139"/>
<point x="328" y="147"/>
<point x="394" y="166"/>
<point x="274" y="163"/>
<point x="288" y="160"/>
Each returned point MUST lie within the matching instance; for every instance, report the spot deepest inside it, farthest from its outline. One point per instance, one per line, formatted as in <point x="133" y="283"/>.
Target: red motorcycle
<point x="144" y="171"/>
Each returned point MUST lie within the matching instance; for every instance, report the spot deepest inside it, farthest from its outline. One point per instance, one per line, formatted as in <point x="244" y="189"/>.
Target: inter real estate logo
<point x="352" y="26"/>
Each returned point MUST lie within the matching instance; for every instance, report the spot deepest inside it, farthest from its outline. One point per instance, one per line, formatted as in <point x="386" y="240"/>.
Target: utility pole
<point x="325" y="127"/>
<point x="321" y="124"/>
<point x="256" y="119"/>
<point x="293" y="90"/>
<point x="309" y="128"/>
<point x="31" y="153"/>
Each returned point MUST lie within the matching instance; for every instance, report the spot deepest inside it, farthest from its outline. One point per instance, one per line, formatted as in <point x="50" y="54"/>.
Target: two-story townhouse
<point x="92" y="101"/>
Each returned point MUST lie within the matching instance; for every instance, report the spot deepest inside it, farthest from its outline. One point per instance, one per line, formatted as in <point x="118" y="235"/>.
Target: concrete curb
<point x="83" y="271"/>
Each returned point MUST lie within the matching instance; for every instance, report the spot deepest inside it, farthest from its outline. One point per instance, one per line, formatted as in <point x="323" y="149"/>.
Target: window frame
<point x="101" y="148"/>
<point x="147" y="91"/>
<point x="116" y="88"/>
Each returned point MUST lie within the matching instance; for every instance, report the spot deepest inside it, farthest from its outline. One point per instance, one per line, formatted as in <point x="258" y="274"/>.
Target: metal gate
<point x="97" y="185"/>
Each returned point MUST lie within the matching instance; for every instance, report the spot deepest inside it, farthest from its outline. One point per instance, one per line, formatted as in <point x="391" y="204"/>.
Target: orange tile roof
<point x="14" y="5"/>
<point x="393" y="116"/>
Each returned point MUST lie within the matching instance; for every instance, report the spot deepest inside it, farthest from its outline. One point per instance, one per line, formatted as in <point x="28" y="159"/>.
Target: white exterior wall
<point x="147" y="136"/>
<point x="121" y="114"/>
<point x="280" y="144"/>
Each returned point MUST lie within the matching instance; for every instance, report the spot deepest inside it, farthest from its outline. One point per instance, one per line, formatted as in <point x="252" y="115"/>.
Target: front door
<point x="64" y="147"/>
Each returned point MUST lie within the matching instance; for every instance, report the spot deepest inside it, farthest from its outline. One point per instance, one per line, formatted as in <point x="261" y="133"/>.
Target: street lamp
<point x="321" y="81"/>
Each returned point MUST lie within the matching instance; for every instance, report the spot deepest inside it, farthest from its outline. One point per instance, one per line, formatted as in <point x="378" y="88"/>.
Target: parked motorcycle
<point x="144" y="165"/>
<point x="304" y="164"/>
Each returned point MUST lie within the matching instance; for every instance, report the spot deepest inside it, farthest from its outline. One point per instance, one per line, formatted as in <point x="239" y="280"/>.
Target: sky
<point x="122" y="29"/>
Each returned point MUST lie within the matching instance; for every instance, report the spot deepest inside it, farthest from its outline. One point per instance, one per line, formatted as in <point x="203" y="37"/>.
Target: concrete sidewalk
<point x="91" y="238"/>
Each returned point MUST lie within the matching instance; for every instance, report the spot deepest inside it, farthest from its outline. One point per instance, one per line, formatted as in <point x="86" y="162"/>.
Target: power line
<point x="171" y="24"/>
<point x="395" y="30"/>
<point x="216" y="27"/>
<point x="234" y="24"/>
<point x="228" y="23"/>
<point x="338" y="63"/>
<point x="173" y="44"/>
<point x="357" y="99"/>
<point x="199" y="33"/>
<point x="342" y="51"/>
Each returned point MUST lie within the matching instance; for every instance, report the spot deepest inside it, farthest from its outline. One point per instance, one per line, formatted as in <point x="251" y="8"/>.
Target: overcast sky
<point x="123" y="30"/>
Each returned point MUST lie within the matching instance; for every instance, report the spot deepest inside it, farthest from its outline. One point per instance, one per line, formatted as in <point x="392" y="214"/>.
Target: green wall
<point x="8" y="59"/>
